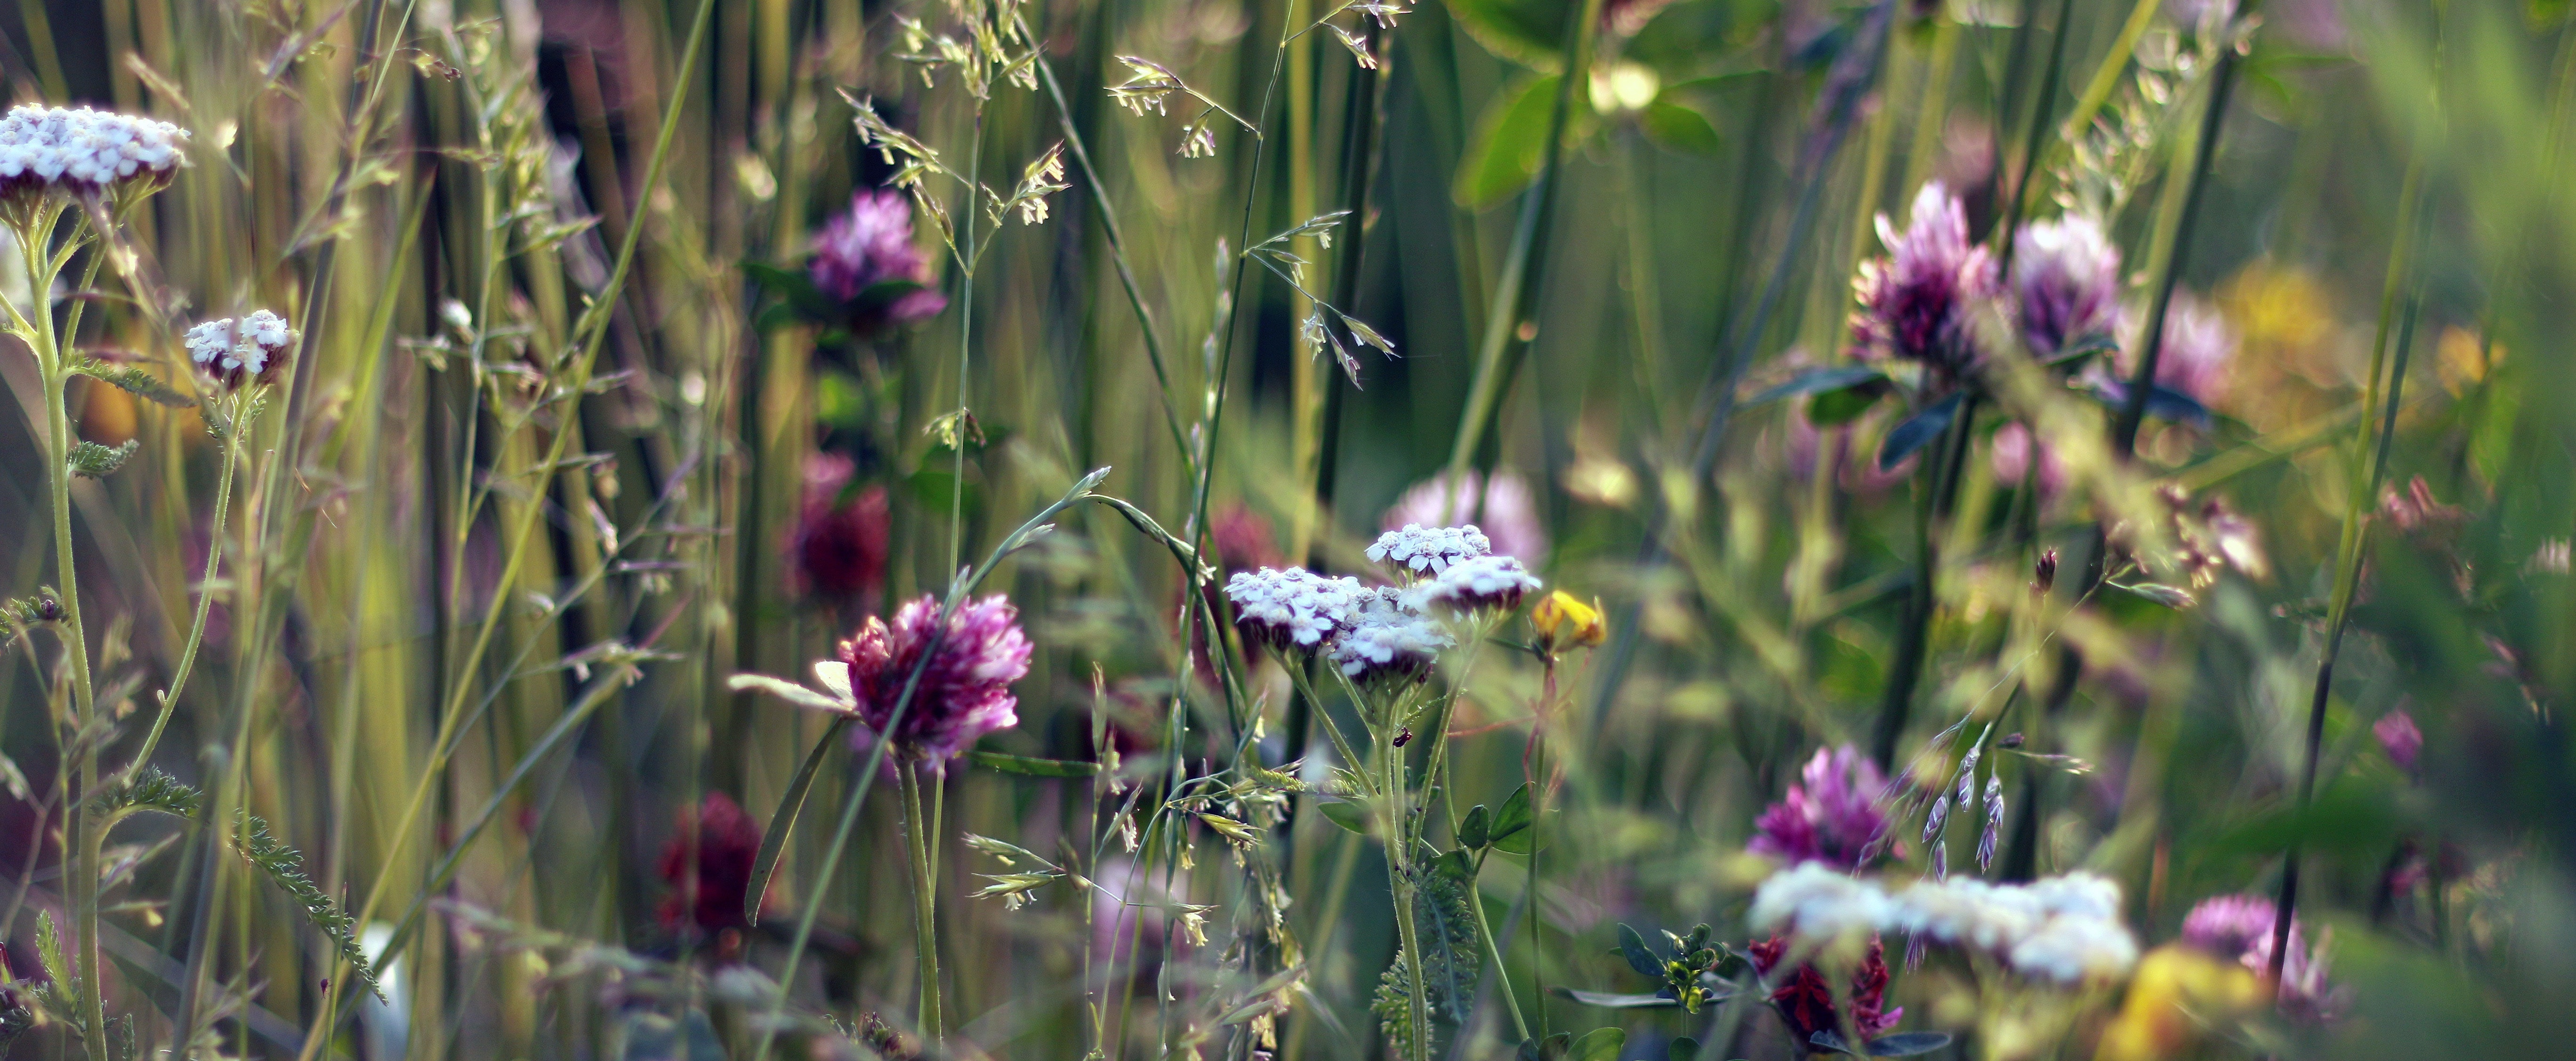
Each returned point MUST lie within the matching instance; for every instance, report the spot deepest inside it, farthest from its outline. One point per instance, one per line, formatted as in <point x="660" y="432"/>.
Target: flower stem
<point x="205" y="593"/>
<point x="86" y="827"/>
<point x="925" y="891"/>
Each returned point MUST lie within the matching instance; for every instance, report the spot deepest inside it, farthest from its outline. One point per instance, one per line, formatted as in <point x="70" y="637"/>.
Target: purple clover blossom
<point x="1835" y="817"/>
<point x="2399" y="737"/>
<point x="1502" y="505"/>
<point x="2239" y="927"/>
<point x="1916" y="303"/>
<point x="2198" y="349"/>
<point x="870" y="245"/>
<point x="965" y="692"/>
<point x="2066" y="283"/>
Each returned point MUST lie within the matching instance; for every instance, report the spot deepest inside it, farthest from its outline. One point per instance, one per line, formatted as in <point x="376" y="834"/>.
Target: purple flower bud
<point x="965" y="692"/>
<point x="1917" y="302"/>
<point x="870" y="245"/>
<point x="2240" y="927"/>
<point x="1835" y="816"/>
<point x="1938" y="817"/>
<point x="2399" y="738"/>
<point x="1994" y="823"/>
<point x="2066" y="283"/>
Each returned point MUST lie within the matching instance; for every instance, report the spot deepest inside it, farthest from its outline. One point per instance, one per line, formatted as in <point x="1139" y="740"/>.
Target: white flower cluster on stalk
<point x="230" y="352"/>
<point x="1490" y="581"/>
<point x="1417" y="549"/>
<point x="80" y="149"/>
<point x="2059" y="930"/>
<point x="1291" y="608"/>
<point x="1382" y="631"/>
<point x="1388" y="637"/>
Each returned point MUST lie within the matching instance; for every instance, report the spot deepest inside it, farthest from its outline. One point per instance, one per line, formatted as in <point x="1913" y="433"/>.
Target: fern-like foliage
<point x="156" y="791"/>
<point x="285" y="868"/>
<point x="132" y="380"/>
<point x="93" y="461"/>
<point x="1445" y="925"/>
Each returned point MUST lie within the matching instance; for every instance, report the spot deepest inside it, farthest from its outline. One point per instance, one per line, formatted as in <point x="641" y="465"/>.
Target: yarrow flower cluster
<point x="1374" y="632"/>
<point x="2239" y="928"/>
<point x="1387" y="638"/>
<point x="964" y="693"/>
<point x="1295" y="608"/>
<point x="1917" y="303"/>
<point x="83" y="150"/>
<point x="870" y="245"/>
<point x="1484" y="582"/>
<point x="2066" y="283"/>
<point x="1416" y="549"/>
<point x="231" y="353"/>
<point x="1836" y="816"/>
<point x="2063" y="931"/>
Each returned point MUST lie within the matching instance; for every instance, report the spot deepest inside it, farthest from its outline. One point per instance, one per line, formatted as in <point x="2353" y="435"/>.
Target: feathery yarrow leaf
<point x="285" y="868"/>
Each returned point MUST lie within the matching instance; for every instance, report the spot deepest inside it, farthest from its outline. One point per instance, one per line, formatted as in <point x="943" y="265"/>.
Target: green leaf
<point x="765" y="864"/>
<point x="1679" y="127"/>
<point x="1682" y="1049"/>
<point x="285" y="868"/>
<point x="1820" y="381"/>
<point x="1476" y="830"/>
<point x="1919" y="430"/>
<point x="131" y="380"/>
<point x="1350" y="816"/>
<point x="94" y="461"/>
<point x="1511" y="833"/>
<point x="1843" y="406"/>
<point x="1632" y="946"/>
<point x="1021" y="764"/>
<point x="1528" y="32"/>
<point x="1445" y="926"/>
<point x="1599" y="1044"/>
<point x="155" y="791"/>
<point x="1608" y="1000"/>
<point x="1510" y="144"/>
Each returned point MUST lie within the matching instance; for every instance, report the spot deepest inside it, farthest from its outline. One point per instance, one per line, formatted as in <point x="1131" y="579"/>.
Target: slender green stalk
<point x="925" y="892"/>
<point x="1510" y="316"/>
<point x="588" y="331"/>
<point x="205" y="591"/>
<point x="2370" y="467"/>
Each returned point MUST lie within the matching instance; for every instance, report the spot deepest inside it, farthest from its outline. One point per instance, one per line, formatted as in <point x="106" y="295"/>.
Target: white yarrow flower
<point x="1418" y="549"/>
<point x="1489" y="581"/>
<point x="84" y="150"/>
<point x="1292" y="608"/>
<point x="1385" y="638"/>
<point x="1821" y="908"/>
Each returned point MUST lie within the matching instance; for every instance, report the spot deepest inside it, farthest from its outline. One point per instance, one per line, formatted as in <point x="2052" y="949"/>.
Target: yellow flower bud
<point x="1564" y="622"/>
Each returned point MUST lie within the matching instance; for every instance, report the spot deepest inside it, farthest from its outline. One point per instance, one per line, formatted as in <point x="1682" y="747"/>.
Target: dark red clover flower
<point x="1917" y="303"/>
<point x="869" y="245"/>
<point x="1805" y="999"/>
<point x="1836" y="816"/>
<point x="709" y="889"/>
<point x="838" y="545"/>
<point x="965" y="691"/>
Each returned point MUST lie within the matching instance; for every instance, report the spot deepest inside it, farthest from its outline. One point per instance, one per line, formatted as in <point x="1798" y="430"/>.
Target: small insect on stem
<point x="1407" y="735"/>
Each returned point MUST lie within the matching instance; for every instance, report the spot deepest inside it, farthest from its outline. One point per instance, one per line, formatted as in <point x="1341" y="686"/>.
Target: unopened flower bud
<point x="2044" y="573"/>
